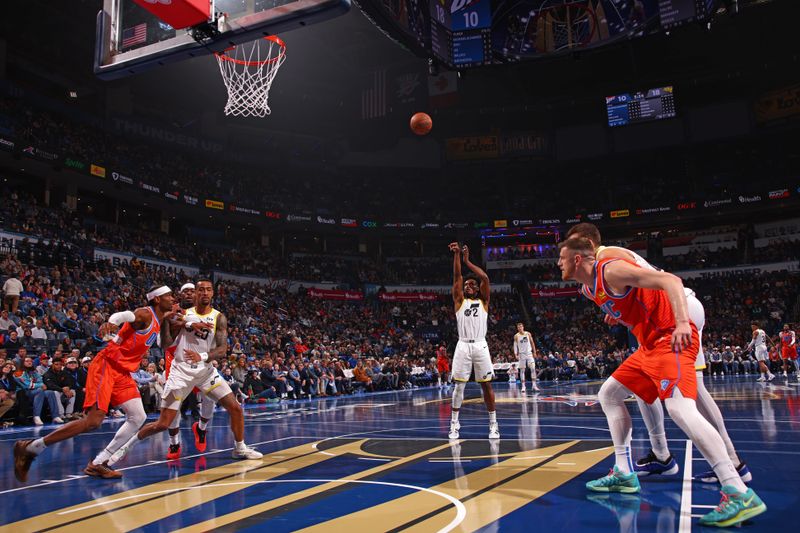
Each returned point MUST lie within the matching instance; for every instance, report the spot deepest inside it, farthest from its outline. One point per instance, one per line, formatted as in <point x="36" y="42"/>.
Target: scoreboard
<point x="461" y="32"/>
<point x="677" y="12"/>
<point x="655" y="104"/>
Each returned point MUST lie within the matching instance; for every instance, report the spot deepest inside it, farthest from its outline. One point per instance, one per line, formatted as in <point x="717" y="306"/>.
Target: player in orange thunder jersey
<point x="653" y="305"/>
<point x="660" y="460"/>
<point x="109" y="383"/>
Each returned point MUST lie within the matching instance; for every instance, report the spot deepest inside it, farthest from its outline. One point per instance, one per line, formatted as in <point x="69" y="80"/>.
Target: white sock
<point x="612" y="396"/>
<point x="710" y="411"/>
<point x="454" y="416"/>
<point x="36" y="447"/>
<point x="123" y="450"/>
<point x="102" y="457"/>
<point x="175" y="439"/>
<point x="684" y="412"/>
<point x="240" y="446"/>
<point x="653" y="415"/>
<point x="202" y="425"/>
<point x="493" y="417"/>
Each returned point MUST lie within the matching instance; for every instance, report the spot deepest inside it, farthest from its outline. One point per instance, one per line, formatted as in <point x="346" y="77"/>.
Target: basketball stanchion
<point x="248" y="71"/>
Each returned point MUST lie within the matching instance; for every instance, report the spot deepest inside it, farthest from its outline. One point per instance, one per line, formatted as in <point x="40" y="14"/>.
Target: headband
<point x="187" y="286"/>
<point x="161" y="291"/>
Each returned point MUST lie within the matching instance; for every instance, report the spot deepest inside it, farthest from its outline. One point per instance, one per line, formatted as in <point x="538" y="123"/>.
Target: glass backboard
<point x="130" y="39"/>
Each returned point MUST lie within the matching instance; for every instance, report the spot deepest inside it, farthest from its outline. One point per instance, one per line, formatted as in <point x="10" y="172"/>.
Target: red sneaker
<point x="199" y="437"/>
<point x="174" y="452"/>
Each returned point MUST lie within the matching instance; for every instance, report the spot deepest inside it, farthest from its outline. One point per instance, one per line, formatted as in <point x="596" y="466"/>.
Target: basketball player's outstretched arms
<point x="220" y="343"/>
<point x="620" y="275"/>
<point x="458" y="280"/>
<point x="482" y="276"/>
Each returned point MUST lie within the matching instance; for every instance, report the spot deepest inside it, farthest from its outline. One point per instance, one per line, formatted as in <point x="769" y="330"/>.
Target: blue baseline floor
<point x="382" y="462"/>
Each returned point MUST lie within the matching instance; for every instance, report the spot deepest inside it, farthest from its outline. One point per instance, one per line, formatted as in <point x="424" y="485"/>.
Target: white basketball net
<point x="248" y="71"/>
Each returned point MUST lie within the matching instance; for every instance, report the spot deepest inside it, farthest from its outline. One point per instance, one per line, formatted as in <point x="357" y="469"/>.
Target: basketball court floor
<point x="382" y="462"/>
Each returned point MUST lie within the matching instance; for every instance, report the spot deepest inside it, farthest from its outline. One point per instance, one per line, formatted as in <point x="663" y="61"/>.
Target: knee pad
<point x="458" y="394"/>
<point x="612" y="391"/>
<point x="134" y="411"/>
<point x="176" y="422"/>
<point x="681" y="410"/>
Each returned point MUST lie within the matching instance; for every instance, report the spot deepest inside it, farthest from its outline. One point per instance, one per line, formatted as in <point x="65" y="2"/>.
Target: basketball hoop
<point x="248" y="71"/>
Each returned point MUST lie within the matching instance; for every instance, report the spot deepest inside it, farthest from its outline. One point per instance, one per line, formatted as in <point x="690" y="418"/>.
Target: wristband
<point x="204" y="356"/>
<point x="188" y="324"/>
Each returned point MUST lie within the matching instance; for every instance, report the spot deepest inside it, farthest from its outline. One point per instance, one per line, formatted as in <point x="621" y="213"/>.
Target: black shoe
<point x="650" y="465"/>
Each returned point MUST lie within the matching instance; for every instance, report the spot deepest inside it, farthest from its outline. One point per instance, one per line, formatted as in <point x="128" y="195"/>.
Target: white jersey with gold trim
<point x="188" y="339"/>
<point x="472" y="319"/>
<point x="523" y="345"/>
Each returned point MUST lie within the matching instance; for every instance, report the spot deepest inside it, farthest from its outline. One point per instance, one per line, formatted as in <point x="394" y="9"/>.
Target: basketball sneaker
<point x="22" y="459"/>
<point x="246" y="453"/>
<point x="734" y="508"/>
<point x="762" y="378"/>
<point x="199" y="437"/>
<point x="616" y="481"/>
<point x="174" y="452"/>
<point x="454" y="427"/>
<point x="494" y="431"/>
<point x="711" y="477"/>
<point x="650" y="465"/>
<point x="770" y="377"/>
<point x="101" y="471"/>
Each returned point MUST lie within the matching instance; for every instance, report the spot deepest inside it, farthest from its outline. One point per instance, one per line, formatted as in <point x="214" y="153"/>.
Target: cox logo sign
<point x="369" y="224"/>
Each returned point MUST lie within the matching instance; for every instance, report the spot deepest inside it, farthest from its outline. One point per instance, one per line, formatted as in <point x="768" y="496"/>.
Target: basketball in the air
<point x="421" y="123"/>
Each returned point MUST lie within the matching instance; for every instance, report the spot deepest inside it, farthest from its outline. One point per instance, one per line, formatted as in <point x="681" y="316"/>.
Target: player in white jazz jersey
<point x="207" y="404"/>
<point x="660" y="460"/>
<point x="471" y="300"/>
<point x="202" y="337"/>
<point x="525" y="350"/>
<point x="759" y="346"/>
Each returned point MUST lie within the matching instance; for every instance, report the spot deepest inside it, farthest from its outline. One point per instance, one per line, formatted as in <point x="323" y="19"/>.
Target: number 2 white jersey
<point x="189" y="339"/>
<point x="522" y="345"/>
<point x="472" y="319"/>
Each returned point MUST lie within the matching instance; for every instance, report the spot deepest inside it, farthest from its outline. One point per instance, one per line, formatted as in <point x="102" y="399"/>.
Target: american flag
<point x="373" y="100"/>
<point x="134" y="35"/>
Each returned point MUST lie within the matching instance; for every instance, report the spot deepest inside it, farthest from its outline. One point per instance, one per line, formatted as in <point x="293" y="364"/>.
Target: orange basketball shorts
<point x="106" y="385"/>
<point x="654" y="373"/>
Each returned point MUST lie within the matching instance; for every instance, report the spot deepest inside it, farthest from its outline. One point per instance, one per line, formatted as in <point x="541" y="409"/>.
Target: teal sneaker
<point x="735" y="507"/>
<point x="616" y="481"/>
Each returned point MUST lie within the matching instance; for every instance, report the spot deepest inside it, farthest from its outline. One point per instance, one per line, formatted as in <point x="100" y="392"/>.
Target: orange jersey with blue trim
<point x="787" y="338"/>
<point x="645" y="311"/>
<point x="129" y="346"/>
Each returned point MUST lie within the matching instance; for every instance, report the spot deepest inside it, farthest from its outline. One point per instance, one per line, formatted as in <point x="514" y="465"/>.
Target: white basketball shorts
<point x="180" y="384"/>
<point x="469" y="356"/>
